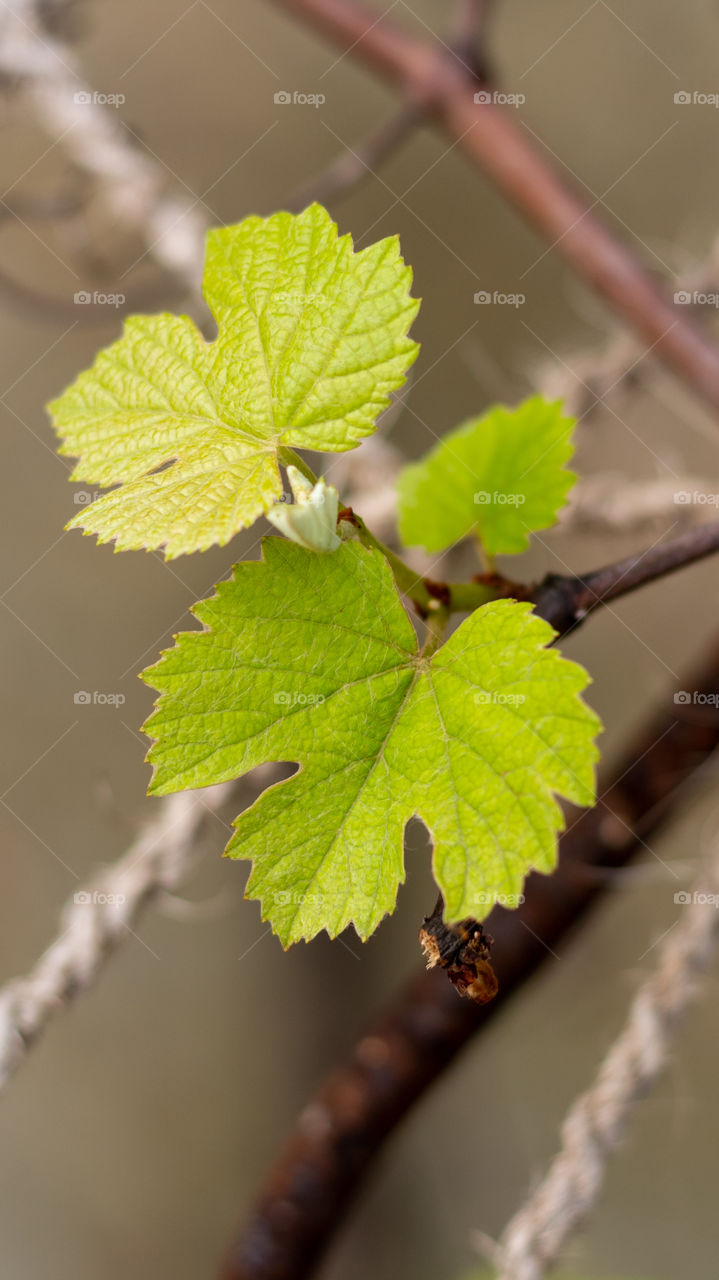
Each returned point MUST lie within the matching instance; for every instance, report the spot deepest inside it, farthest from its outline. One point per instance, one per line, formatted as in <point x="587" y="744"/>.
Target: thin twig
<point x="101" y="916"/>
<point x="596" y="1122"/>
<point x="566" y="600"/>
<point x="128" y="182"/>
<point x="444" y="87"/>
<point x="468" y="37"/>
<point x="350" y="168"/>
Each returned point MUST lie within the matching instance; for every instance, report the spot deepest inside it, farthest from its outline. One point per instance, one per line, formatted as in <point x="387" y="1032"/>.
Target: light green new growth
<point x="311" y="520"/>
<point x="312" y="658"/>
<point x="311" y="341"/>
<point x="500" y="476"/>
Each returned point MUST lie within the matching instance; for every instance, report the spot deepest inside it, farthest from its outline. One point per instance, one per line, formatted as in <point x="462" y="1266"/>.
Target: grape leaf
<point x="501" y="475"/>
<point x="312" y="338"/>
<point x="313" y="659"/>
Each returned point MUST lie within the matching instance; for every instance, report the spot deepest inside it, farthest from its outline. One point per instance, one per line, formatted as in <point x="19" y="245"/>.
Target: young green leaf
<point x="311" y="340"/>
<point x="500" y="476"/>
<point x="312" y="658"/>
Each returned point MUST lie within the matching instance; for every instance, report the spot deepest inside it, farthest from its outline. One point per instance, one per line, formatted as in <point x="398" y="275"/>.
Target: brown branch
<point x="444" y="87"/>
<point x="565" y="600"/>
<point x="313" y="1182"/>
<point x="468" y="37"/>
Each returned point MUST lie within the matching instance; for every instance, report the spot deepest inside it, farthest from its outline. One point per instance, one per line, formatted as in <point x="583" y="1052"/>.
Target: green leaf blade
<point x="311" y="343"/>
<point x="313" y="660"/>
<point x="500" y="476"/>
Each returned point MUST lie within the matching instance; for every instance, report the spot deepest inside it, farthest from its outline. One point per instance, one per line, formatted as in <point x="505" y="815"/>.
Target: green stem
<point x="436" y="629"/>
<point x="465" y="597"/>
<point x="411" y="584"/>
<point x="289" y="458"/>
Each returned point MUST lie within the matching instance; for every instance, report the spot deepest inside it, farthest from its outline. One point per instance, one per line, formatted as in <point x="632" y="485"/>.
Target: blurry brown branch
<point x="318" y="1173"/>
<point x="444" y="86"/>
<point x="468" y="36"/>
<point x="565" y="600"/>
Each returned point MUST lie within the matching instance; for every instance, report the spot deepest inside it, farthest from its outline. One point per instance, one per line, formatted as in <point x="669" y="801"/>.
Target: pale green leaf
<point x="312" y="340"/>
<point x="500" y="476"/>
<point x="313" y="659"/>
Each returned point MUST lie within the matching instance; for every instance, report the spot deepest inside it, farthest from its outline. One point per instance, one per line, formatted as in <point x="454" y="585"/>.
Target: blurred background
<point x="133" y="1139"/>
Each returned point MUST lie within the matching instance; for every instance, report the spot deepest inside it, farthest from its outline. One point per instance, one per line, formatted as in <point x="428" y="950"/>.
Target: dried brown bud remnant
<point x="463" y="951"/>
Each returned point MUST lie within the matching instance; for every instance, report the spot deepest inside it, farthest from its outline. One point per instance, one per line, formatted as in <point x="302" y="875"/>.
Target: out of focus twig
<point x="351" y="166"/>
<point x="100" y="917"/>
<point x="43" y="71"/>
<point x="428" y="73"/>
<point x="595" y="1124"/>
